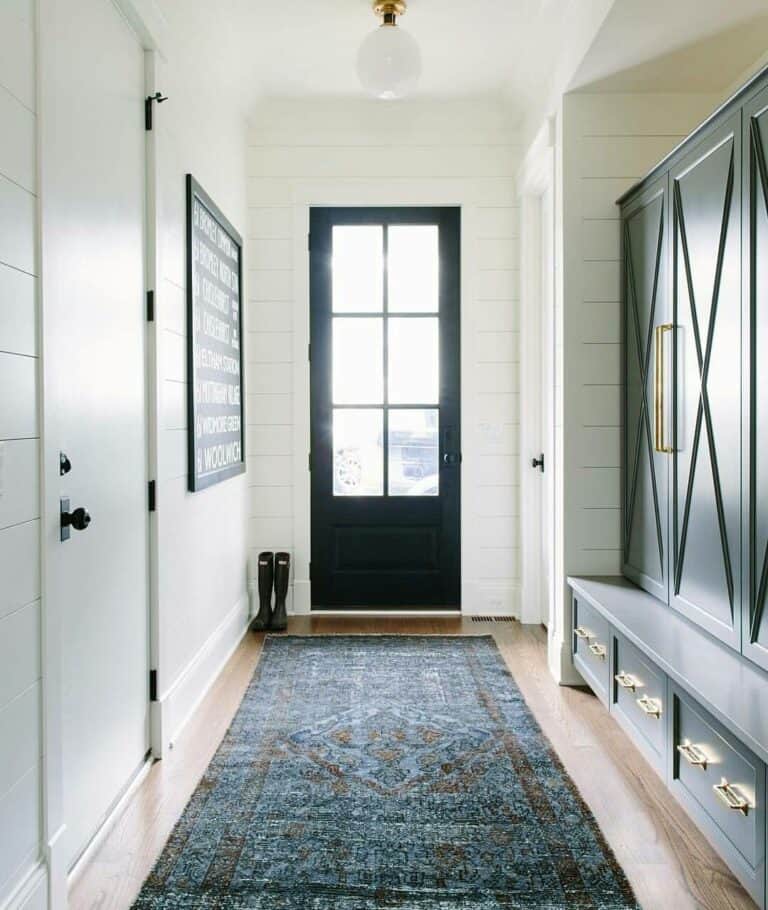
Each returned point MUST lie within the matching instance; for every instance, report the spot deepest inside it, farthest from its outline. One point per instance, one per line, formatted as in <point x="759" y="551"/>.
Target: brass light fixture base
<point x="389" y="10"/>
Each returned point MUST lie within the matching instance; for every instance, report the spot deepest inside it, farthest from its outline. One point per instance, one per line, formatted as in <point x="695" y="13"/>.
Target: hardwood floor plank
<point x="667" y="860"/>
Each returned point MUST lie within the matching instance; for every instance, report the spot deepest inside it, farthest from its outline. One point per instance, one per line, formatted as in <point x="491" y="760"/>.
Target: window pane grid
<point x="411" y="443"/>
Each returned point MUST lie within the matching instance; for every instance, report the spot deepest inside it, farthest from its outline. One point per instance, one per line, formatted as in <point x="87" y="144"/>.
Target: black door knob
<point x="79" y="519"/>
<point x="452" y="458"/>
<point x="538" y="463"/>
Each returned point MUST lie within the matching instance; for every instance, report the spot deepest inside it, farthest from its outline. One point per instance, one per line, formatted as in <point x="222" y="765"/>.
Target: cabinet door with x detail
<point x="646" y="316"/>
<point x="706" y="281"/>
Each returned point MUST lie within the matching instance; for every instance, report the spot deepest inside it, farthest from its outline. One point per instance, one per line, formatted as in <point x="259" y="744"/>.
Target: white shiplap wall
<point x="20" y="668"/>
<point x="200" y="539"/>
<point x="369" y="153"/>
<point x="609" y="141"/>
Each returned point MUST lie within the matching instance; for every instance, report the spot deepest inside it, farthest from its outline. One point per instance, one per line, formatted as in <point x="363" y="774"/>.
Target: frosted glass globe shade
<point x="389" y="63"/>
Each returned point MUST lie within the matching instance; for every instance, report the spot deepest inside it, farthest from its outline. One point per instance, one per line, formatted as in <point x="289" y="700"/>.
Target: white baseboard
<point x="32" y="891"/>
<point x="178" y="704"/>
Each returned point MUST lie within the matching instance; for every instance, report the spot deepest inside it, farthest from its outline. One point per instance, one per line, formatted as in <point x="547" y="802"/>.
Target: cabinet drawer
<point x="591" y="647"/>
<point x="723" y="784"/>
<point x="638" y="698"/>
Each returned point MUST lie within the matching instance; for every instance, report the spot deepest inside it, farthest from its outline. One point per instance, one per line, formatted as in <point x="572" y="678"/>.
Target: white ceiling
<point x="256" y="50"/>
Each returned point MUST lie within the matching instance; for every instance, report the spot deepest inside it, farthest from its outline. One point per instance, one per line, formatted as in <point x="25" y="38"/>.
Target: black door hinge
<point x="309" y="353"/>
<point x="150" y="306"/>
<point x="310" y="571"/>
<point x="309" y="461"/>
<point x="309" y="242"/>
<point x="153" y="685"/>
<point x="148" y="101"/>
<point x="152" y="496"/>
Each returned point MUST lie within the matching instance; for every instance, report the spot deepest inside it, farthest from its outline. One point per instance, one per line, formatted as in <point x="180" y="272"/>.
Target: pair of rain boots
<point x="274" y="569"/>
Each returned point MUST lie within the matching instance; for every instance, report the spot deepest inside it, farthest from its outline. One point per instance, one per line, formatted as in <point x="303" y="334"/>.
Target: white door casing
<point x="536" y="186"/>
<point x="92" y="156"/>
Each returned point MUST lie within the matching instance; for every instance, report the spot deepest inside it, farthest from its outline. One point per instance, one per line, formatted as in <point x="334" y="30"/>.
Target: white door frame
<point x="536" y="188"/>
<point x="149" y="28"/>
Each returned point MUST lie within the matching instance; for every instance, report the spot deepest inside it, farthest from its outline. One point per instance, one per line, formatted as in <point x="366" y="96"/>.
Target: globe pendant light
<point x="389" y="60"/>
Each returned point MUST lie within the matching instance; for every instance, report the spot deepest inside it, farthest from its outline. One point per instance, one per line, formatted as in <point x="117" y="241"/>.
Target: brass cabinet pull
<point x="693" y="755"/>
<point x="649" y="706"/>
<point x="626" y="681"/>
<point x="731" y="798"/>
<point x="581" y="632"/>
<point x="660" y="384"/>
<point x="600" y="651"/>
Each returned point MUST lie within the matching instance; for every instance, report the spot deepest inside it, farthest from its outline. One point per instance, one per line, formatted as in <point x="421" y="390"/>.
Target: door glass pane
<point x="414" y="361"/>
<point x="358" y="269"/>
<point x="358" y="452"/>
<point x="414" y="452"/>
<point x="413" y="262"/>
<point x="358" y="361"/>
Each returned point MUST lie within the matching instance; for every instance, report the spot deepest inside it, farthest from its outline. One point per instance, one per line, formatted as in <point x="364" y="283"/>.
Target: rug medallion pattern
<point x="366" y="772"/>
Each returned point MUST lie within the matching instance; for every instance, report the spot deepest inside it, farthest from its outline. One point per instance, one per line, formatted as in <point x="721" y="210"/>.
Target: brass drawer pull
<point x="581" y="632"/>
<point x="694" y="756"/>
<point x="649" y="706"/>
<point x="731" y="798"/>
<point x="626" y="681"/>
<point x="600" y="651"/>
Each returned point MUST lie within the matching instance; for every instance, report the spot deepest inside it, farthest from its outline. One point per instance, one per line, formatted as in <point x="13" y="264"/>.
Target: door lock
<point x="79" y="519"/>
<point x="452" y="458"/>
<point x="538" y="463"/>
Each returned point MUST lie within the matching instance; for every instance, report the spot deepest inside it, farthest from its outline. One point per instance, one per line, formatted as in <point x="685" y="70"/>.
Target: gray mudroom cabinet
<point x="678" y="648"/>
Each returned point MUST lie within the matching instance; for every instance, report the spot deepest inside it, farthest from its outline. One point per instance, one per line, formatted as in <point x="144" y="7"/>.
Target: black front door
<point x="385" y="461"/>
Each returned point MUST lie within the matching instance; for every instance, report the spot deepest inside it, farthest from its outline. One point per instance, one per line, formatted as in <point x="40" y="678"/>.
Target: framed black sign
<point x="215" y="413"/>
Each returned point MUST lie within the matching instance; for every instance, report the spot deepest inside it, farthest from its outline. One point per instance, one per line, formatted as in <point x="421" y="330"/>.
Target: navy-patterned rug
<point x="368" y="772"/>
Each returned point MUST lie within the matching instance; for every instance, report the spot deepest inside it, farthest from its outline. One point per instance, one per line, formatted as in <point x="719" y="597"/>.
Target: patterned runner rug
<point x="366" y="772"/>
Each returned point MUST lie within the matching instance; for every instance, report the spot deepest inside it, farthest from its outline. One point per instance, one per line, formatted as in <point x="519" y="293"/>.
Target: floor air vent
<point x="493" y="619"/>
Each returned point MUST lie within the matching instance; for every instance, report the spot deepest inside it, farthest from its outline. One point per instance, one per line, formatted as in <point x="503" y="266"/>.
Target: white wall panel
<point x="17" y="150"/>
<point x="174" y="404"/>
<point x="18" y="401"/>
<point x="18" y="312"/>
<point x="17" y="50"/>
<point x="270" y="440"/>
<point x="271" y="502"/>
<point x="19" y="481"/>
<point x="270" y="316"/>
<point x="19" y="566"/>
<point x="19" y="651"/>
<point x="17" y="226"/>
<point x="20" y="812"/>
<point x="273" y="410"/>
<point x="20" y="635"/>
<point x="20" y="737"/>
<point x="270" y="285"/>
<point x="270" y="347"/>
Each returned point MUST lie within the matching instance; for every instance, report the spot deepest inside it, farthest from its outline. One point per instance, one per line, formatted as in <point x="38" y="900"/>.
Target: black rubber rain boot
<point x="282" y="573"/>
<point x="266" y="576"/>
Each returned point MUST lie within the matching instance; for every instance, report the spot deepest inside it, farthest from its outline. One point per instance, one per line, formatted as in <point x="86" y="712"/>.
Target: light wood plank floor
<point x="668" y="862"/>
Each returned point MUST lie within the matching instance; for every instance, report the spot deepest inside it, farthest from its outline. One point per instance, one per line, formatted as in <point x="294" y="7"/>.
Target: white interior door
<point x="93" y="166"/>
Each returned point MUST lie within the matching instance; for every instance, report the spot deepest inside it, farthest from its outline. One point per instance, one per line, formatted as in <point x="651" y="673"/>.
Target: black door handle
<point x="538" y="463"/>
<point x="452" y="458"/>
<point x="79" y="519"/>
